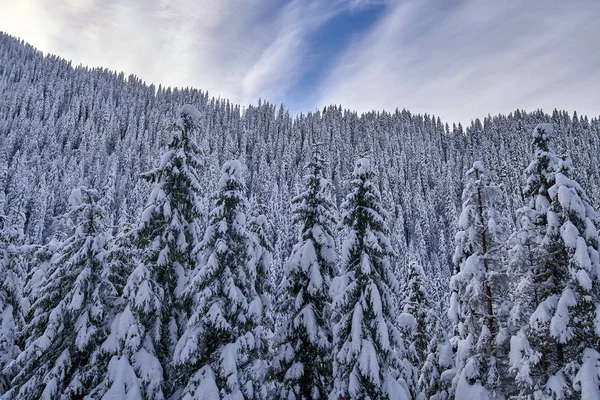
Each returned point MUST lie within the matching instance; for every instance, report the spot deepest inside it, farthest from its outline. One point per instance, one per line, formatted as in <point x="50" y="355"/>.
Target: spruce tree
<point x="474" y="302"/>
<point x="68" y="320"/>
<point x="151" y="316"/>
<point x="572" y="239"/>
<point x="302" y="363"/>
<point x="532" y="348"/>
<point x="12" y="271"/>
<point x="260" y="228"/>
<point x="437" y="368"/>
<point x="559" y="345"/>
<point x="417" y="304"/>
<point x="218" y="355"/>
<point x="369" y="353"/>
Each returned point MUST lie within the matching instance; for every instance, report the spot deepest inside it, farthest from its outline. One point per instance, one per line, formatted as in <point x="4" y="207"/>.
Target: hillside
<point x="64" y="127"/>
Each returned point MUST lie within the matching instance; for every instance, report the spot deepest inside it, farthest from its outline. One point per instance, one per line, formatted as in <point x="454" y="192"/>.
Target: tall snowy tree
<point x="260" y="228"/>
<point x="531" y="283"/>
<point x="218" y="355"/>
<point x="68" y="320"/>
<point x="369" y="355"/>
<point x="302" y="364"/>
<point x="474" y="304"/>
<point x="151" y="319"/>
<point x="556" y="354"/>
<point x="417" y="304"/>
<point x="12" y="271"/>
<point x="437" y="368"/>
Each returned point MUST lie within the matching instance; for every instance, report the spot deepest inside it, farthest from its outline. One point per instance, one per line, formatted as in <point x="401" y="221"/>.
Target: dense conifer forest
<point x="160" y="243"/>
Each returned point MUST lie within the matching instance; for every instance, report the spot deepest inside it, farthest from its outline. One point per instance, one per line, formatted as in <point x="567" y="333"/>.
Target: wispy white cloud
<point x="456" y="59"/>
<point x="465" y="60"/>
<point x="237" y="49"/>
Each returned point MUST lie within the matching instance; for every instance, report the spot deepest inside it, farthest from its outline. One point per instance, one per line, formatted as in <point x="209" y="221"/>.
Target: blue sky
<point x="458" y="59"/>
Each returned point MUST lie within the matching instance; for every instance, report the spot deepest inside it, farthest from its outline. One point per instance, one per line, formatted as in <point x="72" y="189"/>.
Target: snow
<point x="230" y="169"/>
<point x="556" y="386"/>
<point x="464" y="391"/>
<point x="362" y="167"/>
<point x="356" y="329"/>
<point x="559" y="325"/>
<point x="478" y="166"/>
<point x="454" y="309"/>
<point x="543" y="312"/>
<point x="367" y="362"/>
<point x="125" y="384"/>
<point x="190" y="111"/>
<point x="75" y="198"/>
<point x="166" y="159"/>
<point x="543" y="131"/>
<point x="597" y="320"/>
<point x="587" y="380"/>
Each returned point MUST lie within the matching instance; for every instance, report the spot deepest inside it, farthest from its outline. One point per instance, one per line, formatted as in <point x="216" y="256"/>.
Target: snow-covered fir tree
<point x="302" y="363"/>
<point x="369" y="353"/>
<point x="572" y="240"/>
<point x="12" y="271"/>
<point x="69" y="318"/>
<point x="554" y="354"/>
<point x="437" y="368"/>
<point x="218" y="355"/>
<point x="168" y="236"/>
<point x="474" y="304"/>
<point x="151" y="316"/>
<point x="417" y="304"/>
<point x="260" y="228"/>
<point x="528" y="260"/>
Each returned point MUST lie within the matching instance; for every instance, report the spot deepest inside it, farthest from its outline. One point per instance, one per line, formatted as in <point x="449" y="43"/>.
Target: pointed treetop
<point x="189" y="116"/>
<point x="362" y="167"/>
<point x="232" y="170"/>
<point x="542" y="135"/>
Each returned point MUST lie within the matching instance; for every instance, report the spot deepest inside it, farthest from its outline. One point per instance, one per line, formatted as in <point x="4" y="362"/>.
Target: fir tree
<point x="474" y="303"/>
<point x="572" y="240"/>
<point x="218" y="356"/>
<point x="68" y="320"/>
<point x="437" y="368"/>
<point x="532" y="348"/>
<point x="260" y="228"/>
<point x="167" y="235"/>
<point x="12" y="271"/>
<point x="151" y="318"/>
<point x="369" y="355"/>
<point x="417" y="304"/>
<point x="559" y="345"/>
<point x="302" y="364"/>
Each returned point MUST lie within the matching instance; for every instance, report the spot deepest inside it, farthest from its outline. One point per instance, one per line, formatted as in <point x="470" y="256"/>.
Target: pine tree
<point x="474" y="301"/>
<point x="416" y="303"/>
<point x="69" y="317"/>
<point x="12" y="271"/>
<point x="437" y="368"/>
<point x="218" y="355"/>
<point x="563" y="335"/>
<point x="134" y="369"/>
<point x="532" y="348"/>
<point x="369" y="355"/>
<point x="572" y="239"/>
<point x="151" y="317"/>
<point x="261" y="228"/>
<point x="302" y="363"/>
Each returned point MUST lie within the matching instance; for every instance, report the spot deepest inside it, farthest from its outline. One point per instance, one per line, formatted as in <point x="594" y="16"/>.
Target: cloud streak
<point x="236" y="49"/>
<point x="472" y="58"/>
<point x="457" y="59"/>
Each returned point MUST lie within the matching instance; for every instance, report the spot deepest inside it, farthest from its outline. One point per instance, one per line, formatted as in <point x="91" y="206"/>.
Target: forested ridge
<point x="161" y="243"/>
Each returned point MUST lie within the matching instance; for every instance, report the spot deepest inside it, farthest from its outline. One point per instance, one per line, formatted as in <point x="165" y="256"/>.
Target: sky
<point x="456" y="59"/>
